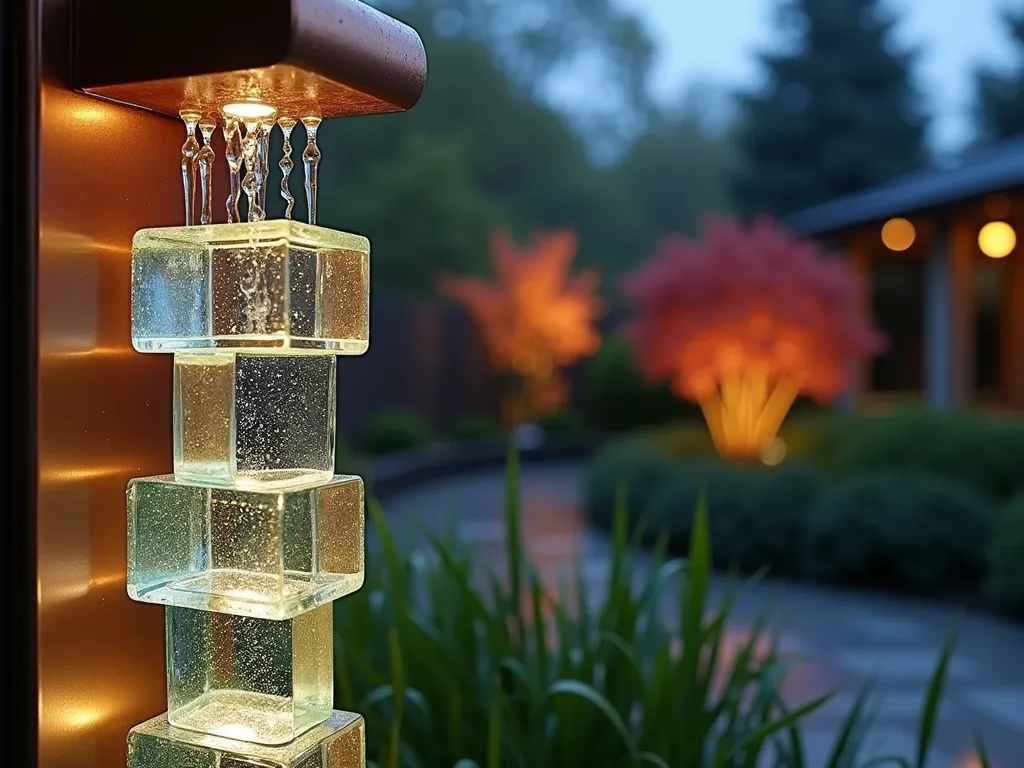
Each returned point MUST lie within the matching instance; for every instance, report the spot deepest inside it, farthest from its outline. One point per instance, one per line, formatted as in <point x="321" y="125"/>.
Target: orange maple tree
<point x="535" y="319"/>
<point x="744" y="321"/>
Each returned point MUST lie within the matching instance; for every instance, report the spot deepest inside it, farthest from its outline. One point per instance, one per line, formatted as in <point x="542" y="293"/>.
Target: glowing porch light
<point x="997" y="239"/>
<point x="898" y="234"/>
<point x="249" y="110"/>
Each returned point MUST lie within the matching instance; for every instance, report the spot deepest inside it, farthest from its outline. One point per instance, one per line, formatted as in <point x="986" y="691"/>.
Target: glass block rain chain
<point x="253" y="536"/>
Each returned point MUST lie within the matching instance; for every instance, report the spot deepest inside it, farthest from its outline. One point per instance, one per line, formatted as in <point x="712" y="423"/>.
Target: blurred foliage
<point x="920" y="533"/>
<point x="745" y="320"/>
<point x="392" y="431"/>
<point x="759" y="513"/>
<point x="535" y="318"/>
<point x="474" y="427"/>
<point x="454" y="664"/>
<point x="907" y="500"/>
<point x="1005" y="584"/>
<point x="616" y="397"/>
<point x="631" y="466"/>
<point x="485" y="145"/>
<point x="564" y="422"/>
<point x="999" y="95"/>
<point x="838" y="113"/>
<point x="976" y="451"/>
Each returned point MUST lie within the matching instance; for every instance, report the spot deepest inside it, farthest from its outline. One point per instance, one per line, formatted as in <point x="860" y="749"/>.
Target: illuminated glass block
<point x="253" y="420"/>
<point x="265" y="554"/>
<point x="340" y="742"/>
<point x="249" y="679"/>
<point x="273" y="286"/>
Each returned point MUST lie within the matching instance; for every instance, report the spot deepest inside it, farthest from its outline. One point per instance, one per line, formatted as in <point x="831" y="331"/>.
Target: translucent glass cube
<point x="264" y="554"/>
<point x="339" y="742"/>
<point x="272" y="286"/>
<point x="253" y="420"/>
<point x="249" y="679"/>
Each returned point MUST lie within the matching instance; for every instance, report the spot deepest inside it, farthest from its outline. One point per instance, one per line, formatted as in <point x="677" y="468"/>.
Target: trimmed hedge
<point x="913" y="532"/>
<point x="756" y="516"/>
<point x="633" y="467"/>
<point x="474" y="428"/>
<point x="898" y="530"/>
<point x="1005" y="584"/>
<point x="391" y="431"/>
<point x="563" y="423"/>
<point x="971" y="450"/>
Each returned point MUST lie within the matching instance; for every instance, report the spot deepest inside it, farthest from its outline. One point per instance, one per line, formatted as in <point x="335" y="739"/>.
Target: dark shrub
<point x="616" y="397"/>
<point x="474" y="428"/>
<point x="562" y="423"/>
<point x="962" y="447"/>
<point x="1005" y="584"/>
<point x="757" y="515"/>
<point x="914" y="532"/>
<point x="632" y="465"/>
<point x="390" y="431"/>
<point x="685" y="440"/>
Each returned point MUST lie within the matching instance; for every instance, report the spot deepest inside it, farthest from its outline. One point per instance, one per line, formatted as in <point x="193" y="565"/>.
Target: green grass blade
<point x="649" y="758"/>
<point x="765" y="731"/>
<point x="933" y="700"/>
<point x="848" y="743"/>
<point x="392" y="559"/>
<point x="620" y="537"/>
<point x="398" y="678"/>
<point x="590" y="695"/>
<point x="979" y="747"/>
<point x="514" y="535"/>
<point x="494" y="729"/>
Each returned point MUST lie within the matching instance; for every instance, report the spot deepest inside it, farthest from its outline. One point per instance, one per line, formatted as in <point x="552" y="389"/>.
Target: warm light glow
<point x="90" y="113"/>
<point x="83" y="718"/>
<point x="774" y="453"/>
<point x="252" y="110"/>
<point x="898" y="234"/>
<point x="59" y="474"/>
<point x="535" y="319"/>
<point x="997" y="239"/>
<point x="741" y="340"/>
<point x="745" y="412"/>
<point x="237" y="731"/>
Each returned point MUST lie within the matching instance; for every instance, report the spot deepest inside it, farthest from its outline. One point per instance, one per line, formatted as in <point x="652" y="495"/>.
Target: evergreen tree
<point x="838" y="112"/>
<point x="999" y="99"/>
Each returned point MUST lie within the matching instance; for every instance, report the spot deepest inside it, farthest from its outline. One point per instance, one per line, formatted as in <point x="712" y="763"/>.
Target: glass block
<point x="253" y="421"/>
<point x="339" y="742"/>
<point x="249" y="679"/>
<point x="272" y="286"/>
<point x="269" y="555"/>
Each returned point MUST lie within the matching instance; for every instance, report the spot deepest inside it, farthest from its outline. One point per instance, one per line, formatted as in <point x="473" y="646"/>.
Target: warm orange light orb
<point x="774" y="453"/>
<point x="898" y="234"/>
<point x="997" y="239"/>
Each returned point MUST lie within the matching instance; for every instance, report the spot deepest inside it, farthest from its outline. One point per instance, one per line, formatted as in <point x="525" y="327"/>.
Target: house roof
<point x="995" y="169"/>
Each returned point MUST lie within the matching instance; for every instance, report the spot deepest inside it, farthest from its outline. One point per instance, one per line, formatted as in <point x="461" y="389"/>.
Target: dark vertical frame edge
<point x="19" y="145"/>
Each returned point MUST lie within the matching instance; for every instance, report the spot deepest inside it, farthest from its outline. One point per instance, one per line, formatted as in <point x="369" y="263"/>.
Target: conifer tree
<point x="837" y="112"/>
<point x="999" y="98"/>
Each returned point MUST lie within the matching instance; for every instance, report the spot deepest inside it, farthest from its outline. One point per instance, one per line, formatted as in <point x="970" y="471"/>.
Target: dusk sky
<point x="715" y="41"/>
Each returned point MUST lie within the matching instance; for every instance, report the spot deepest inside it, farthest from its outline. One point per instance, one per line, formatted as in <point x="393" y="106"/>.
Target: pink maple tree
<point x="534" y="319"/>
<point x="745" y="320"/>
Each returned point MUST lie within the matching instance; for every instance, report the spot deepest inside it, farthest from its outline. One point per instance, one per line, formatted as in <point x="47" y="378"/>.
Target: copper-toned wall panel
<point x="103" y="410"/>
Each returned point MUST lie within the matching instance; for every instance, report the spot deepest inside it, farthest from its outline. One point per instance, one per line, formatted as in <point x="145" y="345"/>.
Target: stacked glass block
<point x="253" y="536"/>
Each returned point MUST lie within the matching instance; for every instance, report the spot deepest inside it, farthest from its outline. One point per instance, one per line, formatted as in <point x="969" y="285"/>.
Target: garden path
<point x="846" y="636"/>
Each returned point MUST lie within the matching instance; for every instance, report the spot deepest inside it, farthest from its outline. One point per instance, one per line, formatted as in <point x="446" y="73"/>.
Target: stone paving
<point x="847" y="637"/>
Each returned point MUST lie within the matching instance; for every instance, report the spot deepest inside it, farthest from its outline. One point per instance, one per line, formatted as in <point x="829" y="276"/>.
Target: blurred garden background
<point x="772" y="324"/>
